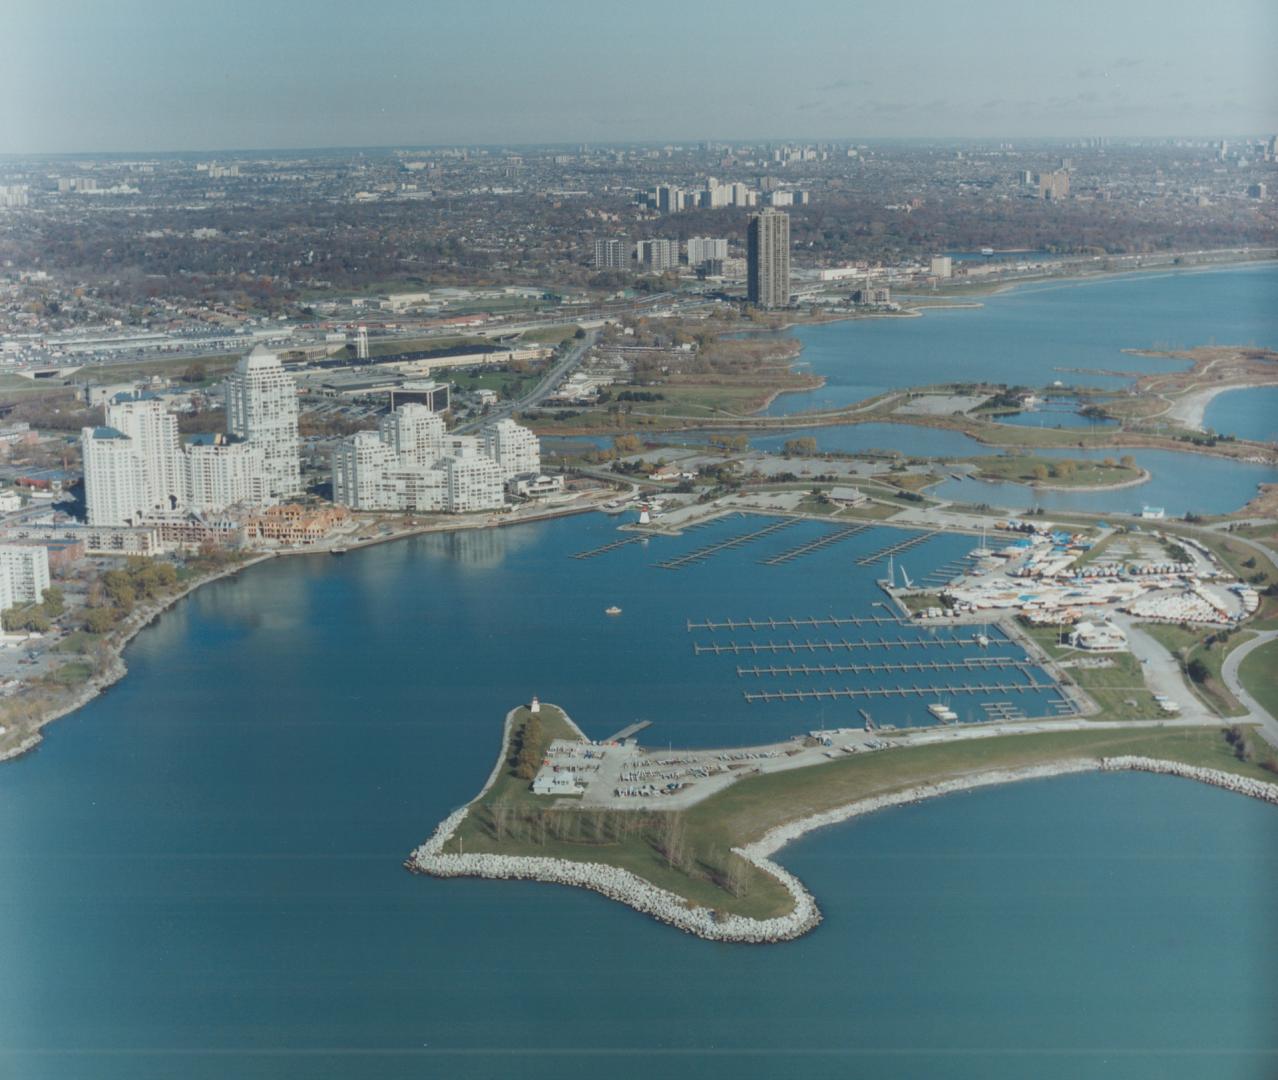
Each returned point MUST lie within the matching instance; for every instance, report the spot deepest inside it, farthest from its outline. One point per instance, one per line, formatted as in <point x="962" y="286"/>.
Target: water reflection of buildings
<point x="480" y="549"/>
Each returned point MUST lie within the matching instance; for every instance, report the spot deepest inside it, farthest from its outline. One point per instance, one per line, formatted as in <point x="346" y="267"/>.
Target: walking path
<point x="1268" y="724"/>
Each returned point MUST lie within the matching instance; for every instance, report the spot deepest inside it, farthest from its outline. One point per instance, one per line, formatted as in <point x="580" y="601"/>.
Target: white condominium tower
<point x="115" y="488"/>
<point x="222" y="473"/>
<point x="153" y="431"/>
<point x="261" y="408"/>
<point x="515" y="449"/>
<point x="412" y="463"/>
<point x="768" y="266"/>
<point x="132" y="464"/>
<point x="414" y="433"/>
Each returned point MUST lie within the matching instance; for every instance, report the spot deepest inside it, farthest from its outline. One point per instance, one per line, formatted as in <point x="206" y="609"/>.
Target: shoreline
<point x="1191" y="410"/>
<point x="116" y="669"/>
<point x="648" y="899"/>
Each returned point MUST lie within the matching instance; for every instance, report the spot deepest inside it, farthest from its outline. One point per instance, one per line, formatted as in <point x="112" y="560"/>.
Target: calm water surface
<point x="200" y="872"/>
<point x="1247" y="414"/>
<point x="1181" y="483"/>
<point x="1035" y="335"/>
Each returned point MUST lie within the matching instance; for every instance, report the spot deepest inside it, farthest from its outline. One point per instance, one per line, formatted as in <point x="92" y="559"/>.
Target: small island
<point x="697" y="855"/>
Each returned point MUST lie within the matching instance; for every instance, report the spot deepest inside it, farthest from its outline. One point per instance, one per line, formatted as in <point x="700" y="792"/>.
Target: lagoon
<point x="1182" y="483"/>
<point x="1034" y="335"/>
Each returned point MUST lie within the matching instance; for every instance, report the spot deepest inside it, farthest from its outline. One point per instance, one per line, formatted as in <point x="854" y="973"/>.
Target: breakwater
<point x="1241" y="785"/>
<point x="715" y="925"/>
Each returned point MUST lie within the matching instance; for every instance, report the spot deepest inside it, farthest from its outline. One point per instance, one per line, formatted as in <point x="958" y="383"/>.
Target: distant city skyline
<point x="142" y="76"/>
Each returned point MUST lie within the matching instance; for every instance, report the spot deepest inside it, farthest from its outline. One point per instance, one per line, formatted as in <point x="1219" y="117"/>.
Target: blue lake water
<point x="200" y="871"/>
<point x="1245" y="414"/>
<point x="1179" y="482"/>
<point x="1056" y="412"/>
<point x="1032" y="334"/>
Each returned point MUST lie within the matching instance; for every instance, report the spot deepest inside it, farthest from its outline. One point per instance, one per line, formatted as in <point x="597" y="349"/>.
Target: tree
<point x="1127" y="461"/>
<point x="1197" y="670"/>
<point x="1040" y="473"/>
<point x="54" y="602"/>
<point x="804" y="446"/>
<point x="98" y="620"/>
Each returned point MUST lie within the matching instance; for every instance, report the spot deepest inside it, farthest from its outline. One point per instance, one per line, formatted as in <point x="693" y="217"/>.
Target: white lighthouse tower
<point x="644" y="518"/>
<point x="535" y="705"/>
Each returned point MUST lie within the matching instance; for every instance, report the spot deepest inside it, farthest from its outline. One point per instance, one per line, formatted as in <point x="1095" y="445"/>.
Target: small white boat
<point x="614" y="610"/>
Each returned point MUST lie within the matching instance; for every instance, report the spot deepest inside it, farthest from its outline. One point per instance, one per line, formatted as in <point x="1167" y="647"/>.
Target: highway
<point x="540" y="392"/>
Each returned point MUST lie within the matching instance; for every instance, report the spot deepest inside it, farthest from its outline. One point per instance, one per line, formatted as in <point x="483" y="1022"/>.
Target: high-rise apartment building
<point x="115" y="488"/>
<point x="222" y="473"/>
<point x="153" y="432"/>
<point x="612" y="254"/>
<point x="515" y="449"/>
<point x="658" y="255"/>
<point x="261" y="408"/>
<point x="1053" y="185"/>
<point x="702" y="249"/>
<point x="24" y="574"/>
<point x="768" y="259"/>
<point x="411" y="463"/>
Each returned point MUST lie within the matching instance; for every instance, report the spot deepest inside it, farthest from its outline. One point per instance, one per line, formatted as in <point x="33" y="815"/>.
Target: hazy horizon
<point x="143" y="77"/>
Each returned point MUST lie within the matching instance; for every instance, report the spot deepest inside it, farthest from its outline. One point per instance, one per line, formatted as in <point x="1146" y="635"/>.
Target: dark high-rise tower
<point x="769" y="259"/>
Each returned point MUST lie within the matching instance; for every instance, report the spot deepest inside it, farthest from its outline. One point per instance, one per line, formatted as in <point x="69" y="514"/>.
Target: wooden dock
<point x="833" y="693"/>
<point x="819" y="544"/>
<point x="830" y="646"/>
<point x="703" y="553"/>
<point x="972" y="663"/>
<point x="794" y="623"/>
<point x="898" y="547"/>
<point x="593" y="552"/>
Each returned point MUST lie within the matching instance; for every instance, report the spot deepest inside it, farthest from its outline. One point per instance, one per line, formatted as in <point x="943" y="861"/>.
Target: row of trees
<point x="115" y="595"/>
<point x="35" y="617"/>
<point x="526" y="748"/>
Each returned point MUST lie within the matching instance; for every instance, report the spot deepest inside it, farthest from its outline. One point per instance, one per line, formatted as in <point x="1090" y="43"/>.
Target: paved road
<point x="1268" y="723"/>
<point x="541" y="391"/>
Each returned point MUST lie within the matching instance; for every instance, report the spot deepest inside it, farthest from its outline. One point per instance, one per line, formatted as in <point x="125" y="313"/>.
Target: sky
<point x="165" y="75"/>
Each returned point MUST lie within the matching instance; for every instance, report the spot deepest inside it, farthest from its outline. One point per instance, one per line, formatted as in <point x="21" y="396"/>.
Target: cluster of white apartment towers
<point x="412" y="463"/>
<point x="135" y="467"/>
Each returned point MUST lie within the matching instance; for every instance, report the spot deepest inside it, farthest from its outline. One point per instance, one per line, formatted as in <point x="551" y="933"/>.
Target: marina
<point x="819" y="544"/>
<point x="896" y="549"/>
<point x="701" y="554"/>
<point x="831" y="693"/>
<point x="974" y="663"/>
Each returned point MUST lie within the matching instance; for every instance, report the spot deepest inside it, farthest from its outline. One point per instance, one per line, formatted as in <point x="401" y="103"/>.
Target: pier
<point x="974" y="663"/>
<point x="629" y="730"/>
<point x="703" y="553"/>
<point x="794" y="623"/>
<point x="820" y="543"/>
<point x="898" y="547"/>
<point x="830" y="646"/>
<point x="633" y="539"/>
<point x="754" y="696"/>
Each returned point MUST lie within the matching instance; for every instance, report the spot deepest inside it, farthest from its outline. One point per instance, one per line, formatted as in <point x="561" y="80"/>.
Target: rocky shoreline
<point x="630" y="889"/>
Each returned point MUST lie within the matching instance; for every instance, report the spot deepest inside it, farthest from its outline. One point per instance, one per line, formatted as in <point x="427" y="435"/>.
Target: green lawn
<point x="1119" y="688"/>
<point x="688" y="852"/>
<point x="1259" y="674"/>
<point x="1057" y="472"/>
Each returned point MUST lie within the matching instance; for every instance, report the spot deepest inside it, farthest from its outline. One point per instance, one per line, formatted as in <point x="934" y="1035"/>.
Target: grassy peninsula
<point x="689" y="852"/>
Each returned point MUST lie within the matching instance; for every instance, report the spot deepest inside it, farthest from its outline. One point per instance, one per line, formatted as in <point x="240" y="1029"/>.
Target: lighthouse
<point x="644" y="519"/>
<point x="535" y="705"/>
